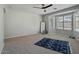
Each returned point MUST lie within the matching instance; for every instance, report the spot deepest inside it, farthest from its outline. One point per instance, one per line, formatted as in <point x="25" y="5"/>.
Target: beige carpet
<point x="25" y="44"/>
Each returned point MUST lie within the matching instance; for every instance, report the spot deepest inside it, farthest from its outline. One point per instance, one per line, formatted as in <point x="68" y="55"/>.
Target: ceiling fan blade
<point x="47" y="6"/>
<point x="37" y="7"/>
<point x="44" y="7"/>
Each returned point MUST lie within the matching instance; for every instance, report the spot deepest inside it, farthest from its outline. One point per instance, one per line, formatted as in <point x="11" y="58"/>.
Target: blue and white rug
<point x="56" y="45"/>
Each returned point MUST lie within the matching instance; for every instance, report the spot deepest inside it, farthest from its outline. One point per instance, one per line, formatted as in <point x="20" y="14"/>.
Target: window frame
<point x="63" y="15"/>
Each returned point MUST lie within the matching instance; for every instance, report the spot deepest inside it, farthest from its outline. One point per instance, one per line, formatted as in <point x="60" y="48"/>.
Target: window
<point x="59" y="22"/>
<point x="64" y="22"/>
<point x="67" y="22"/>
<point x="77" y="23"/>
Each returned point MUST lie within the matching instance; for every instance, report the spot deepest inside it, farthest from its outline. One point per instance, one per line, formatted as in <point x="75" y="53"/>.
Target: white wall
<point x="20" y="23"/>
<point x="1" y="28"/>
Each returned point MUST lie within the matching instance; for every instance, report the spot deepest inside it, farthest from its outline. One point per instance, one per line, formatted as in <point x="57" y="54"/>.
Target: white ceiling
<point x="29" y="8"/>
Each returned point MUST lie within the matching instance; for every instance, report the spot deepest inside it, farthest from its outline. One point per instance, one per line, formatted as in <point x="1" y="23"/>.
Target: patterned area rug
<point x="56" y="45"/>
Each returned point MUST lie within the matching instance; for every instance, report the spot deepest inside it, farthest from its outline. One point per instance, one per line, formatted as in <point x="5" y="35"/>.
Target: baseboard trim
<point x="20" y="36"/>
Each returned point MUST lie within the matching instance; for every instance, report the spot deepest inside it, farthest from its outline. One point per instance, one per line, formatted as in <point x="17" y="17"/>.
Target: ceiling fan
<point x="44" y="7"/>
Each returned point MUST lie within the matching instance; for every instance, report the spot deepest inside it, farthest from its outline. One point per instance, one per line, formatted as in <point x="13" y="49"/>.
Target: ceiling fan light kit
<point x="44" y="10"/>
